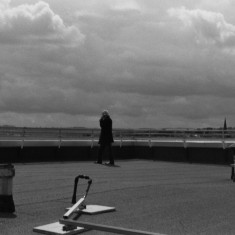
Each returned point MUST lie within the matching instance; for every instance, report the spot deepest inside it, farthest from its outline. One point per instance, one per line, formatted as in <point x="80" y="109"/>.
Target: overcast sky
<point x="151" y="63"/>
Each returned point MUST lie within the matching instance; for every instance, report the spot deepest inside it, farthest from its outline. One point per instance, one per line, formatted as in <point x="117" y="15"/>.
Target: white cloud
<point x="4" y="3"/>
<point x="209" y="27"/>
<point x="35" y="23"/>
<point x="126" y="5"/>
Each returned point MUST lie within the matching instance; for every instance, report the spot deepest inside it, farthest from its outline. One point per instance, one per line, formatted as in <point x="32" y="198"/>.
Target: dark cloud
<point x="130" y="57"/>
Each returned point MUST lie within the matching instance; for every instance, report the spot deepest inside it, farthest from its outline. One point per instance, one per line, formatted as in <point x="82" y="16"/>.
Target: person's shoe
<point x="98" y="162"/>
<point x="109" y="164"/>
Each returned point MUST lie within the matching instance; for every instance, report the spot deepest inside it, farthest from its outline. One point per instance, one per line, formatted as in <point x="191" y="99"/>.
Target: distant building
<point x="225" y="124"/>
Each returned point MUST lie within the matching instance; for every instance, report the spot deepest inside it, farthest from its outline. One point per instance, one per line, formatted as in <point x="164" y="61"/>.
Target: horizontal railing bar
<point x="128" y="134"/>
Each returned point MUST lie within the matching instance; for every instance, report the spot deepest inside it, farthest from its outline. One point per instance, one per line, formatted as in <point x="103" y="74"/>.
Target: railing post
<point x="184" y="139"/>
<point x="23" y="136"/>
<point x="92" y="138"/>
<point x="59" y="137"/>
<point x="223" y="139"/>
<point x="150" y="143"/>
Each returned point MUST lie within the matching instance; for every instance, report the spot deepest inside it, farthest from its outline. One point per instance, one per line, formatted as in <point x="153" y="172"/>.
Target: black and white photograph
<point x="117" y="117"/>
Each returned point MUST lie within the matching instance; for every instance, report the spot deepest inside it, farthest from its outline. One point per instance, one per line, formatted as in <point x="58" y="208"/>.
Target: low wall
<point x="86" y="153"/>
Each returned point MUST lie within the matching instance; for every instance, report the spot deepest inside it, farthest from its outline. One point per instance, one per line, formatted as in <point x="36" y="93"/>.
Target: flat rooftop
<point x="162" y="197"/>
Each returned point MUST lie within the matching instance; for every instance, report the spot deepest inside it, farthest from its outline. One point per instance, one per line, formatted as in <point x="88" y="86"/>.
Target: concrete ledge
<point x="44" y="153"/>
<point x="40" y="143"/>
<point x="204" y="144"/>
<point x="176" y="143"/>
<point x="10" y="143"/>
<point x="74" y="143"/>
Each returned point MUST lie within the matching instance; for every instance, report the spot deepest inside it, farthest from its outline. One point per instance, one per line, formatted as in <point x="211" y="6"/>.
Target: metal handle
<point x="75" y="186"/>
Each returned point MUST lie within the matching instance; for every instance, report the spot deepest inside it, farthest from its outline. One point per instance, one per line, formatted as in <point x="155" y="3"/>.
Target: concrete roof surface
<point x="162" y="197"/>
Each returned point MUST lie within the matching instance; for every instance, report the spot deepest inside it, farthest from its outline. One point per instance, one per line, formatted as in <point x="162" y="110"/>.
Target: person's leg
<point x="111" y="159"/>
<point x="100" y="153"/>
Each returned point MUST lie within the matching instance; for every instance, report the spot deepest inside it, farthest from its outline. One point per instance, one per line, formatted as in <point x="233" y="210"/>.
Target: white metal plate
<point x="96" y="209"/>
<point x="57" y="229"/>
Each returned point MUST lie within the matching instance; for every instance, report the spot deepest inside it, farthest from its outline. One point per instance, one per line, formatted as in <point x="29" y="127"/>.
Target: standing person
<point x="106" y="138"/>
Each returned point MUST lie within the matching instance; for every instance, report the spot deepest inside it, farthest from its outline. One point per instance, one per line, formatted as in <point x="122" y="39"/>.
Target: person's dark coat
<point x="106" y="136"/>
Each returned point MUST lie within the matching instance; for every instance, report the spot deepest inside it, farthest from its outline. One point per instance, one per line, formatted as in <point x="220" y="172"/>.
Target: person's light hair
<point x="105" y="113"/>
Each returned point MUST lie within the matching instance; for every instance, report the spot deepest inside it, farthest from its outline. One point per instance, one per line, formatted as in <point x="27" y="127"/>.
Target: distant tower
<point x="225" y="124"/>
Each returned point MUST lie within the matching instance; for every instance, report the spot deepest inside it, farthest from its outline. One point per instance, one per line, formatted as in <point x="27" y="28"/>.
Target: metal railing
<point x="11" y="133"/>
